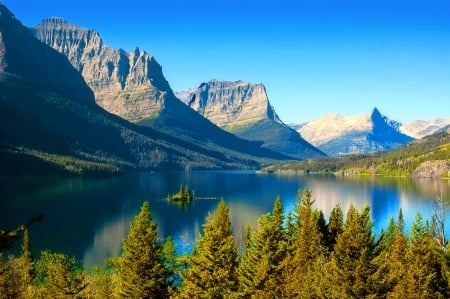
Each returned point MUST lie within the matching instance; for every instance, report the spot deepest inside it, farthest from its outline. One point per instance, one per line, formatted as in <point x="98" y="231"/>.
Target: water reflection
<point x="88" y="218"/>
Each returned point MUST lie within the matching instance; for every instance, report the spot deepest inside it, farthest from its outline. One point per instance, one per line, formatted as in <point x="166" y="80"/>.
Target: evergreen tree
<point x="61" y="277"/>
<point x="211" y="270"/>
<point x="334" y="227"/>
<point x="260" y="266"/>
<point x="25" y="267"/>
<point x="140" y="271"/>
<point x="391" y="261"/>
<point x="350" y="267"/>
<point x="423" y="276"/>
<point x="299" y="272"/>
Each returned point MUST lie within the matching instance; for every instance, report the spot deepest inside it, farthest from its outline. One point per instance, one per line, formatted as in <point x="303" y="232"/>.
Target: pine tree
<point x="140" y="272"/>
<point x="299" y="272"/>
<point x="334" y="227"/>
<point x="391" y="261"/>
<point x="25" y="266"/>
<point x="423" y="277"/>
<point x="350" y="267"/>
<point x="260" y="266"/>
<point x="211" y="270"/>
<point x="62" y="278"/>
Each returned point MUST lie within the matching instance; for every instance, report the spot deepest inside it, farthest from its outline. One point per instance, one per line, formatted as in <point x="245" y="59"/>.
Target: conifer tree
<point x="299" y="272"/>
<point x="259" y="270"/>
<point x="334" y="227"/>
<point x="25" y="266"/>
<point x="140" y="272"/>
<point x="391" y="261"/>
<point x="350" y="267"/>
<point x="211" y="270"/>
<point x="423" y="277"/>
<point x="62" y="278"/>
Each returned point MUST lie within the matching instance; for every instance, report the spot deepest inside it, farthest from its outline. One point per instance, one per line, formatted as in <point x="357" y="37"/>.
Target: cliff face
<point x="230" y="105"/>
<point x="130" y="85"/>
<point x="244" y="109"/>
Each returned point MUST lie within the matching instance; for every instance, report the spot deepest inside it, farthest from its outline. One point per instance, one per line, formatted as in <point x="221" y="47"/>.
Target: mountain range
<point x="46" y="105"/>
<point x="372" y="132"/>
<point x="133" y="86"/>
<point x="338" y="135"/>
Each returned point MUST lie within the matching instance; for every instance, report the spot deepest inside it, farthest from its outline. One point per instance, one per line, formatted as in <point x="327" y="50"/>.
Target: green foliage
<point x="59" y="276"/>
<point x="211" y="270"/>
<point x="260" y="266"/>
<point x="350" y="266"/>
<point x="299" y="269"/>
<point x="140" y="271"/>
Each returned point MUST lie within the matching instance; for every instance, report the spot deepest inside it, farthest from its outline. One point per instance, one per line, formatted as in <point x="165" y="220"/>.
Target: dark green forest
<point x="300" y="254"/>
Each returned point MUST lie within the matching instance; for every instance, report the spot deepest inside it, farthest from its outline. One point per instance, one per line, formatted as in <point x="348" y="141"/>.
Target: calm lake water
<point x="88" y="218"/>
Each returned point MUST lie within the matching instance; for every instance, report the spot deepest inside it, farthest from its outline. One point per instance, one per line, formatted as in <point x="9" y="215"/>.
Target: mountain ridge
<point x="340" y="135"/>
<point x="244" y="109"/>
<point x="45" y="105"/>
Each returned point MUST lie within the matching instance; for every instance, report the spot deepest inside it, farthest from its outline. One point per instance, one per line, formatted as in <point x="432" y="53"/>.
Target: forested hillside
<point x="301" y="255"/>
<point x="431" y="152"/>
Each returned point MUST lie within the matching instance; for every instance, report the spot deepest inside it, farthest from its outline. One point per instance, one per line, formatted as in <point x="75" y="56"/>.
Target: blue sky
<point x="313" y="56"/>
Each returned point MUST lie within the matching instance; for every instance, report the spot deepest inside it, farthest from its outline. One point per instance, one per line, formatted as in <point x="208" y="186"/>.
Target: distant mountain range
<point x="46" y="105"/>
<point x="244" y="109"/>
<point x="338" y="135"/>
<point x="421" y="128"/>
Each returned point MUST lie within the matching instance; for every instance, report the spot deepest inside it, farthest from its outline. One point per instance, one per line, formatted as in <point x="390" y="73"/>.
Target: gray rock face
<point x="230" y="105"/>
<point x="432" y="169"/>
<point x="130" y="85"/>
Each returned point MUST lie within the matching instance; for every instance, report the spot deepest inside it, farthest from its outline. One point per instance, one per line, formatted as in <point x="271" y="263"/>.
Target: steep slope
<point x="133" y="86"/>
<point x="244" y="109"/>
<point x="420" y="128"/>
<point x="339" y="135"/>
<point x="46" y="105"/>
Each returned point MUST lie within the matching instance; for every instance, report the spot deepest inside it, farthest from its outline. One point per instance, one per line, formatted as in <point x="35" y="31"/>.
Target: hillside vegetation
<point x="409" y="160"/>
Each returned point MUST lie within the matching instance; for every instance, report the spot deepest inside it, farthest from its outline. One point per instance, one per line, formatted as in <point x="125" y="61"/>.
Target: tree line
<point x="300" y="254"/>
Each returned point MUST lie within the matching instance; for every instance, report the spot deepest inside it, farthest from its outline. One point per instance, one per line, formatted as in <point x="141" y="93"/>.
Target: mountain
<point x="244" y="110"/>
<point x="420" y="128"/>
<point x="339" y="135"/>
<point x="132" y="85"/>
<point x="49" y="113"/>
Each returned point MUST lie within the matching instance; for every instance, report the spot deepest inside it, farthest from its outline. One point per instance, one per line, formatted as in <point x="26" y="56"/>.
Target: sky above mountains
<point x="313" y="56"/>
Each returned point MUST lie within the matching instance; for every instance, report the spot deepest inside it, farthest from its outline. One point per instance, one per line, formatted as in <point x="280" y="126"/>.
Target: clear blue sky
<point x="313" y="56"/>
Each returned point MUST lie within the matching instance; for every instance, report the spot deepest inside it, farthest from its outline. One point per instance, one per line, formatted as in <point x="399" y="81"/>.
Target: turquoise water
<point x="88" y="218"/>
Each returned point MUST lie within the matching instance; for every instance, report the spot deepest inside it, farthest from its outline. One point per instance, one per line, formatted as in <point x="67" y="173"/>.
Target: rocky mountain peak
<point x="230" y="104"/>
<point x="39" y="66"/>
<point x="130" y="85"/>
<point x="340" y="135"/>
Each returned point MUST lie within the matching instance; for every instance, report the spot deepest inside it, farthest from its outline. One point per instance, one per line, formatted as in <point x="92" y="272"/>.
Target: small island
<point x="184" y="195"/>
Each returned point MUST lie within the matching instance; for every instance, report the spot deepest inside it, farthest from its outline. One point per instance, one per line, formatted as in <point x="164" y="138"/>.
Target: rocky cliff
<point x="244" y="109"/>
<point x="230" y="105"/>
<point x="340" y="135"/>
<point x="130" y="85"/>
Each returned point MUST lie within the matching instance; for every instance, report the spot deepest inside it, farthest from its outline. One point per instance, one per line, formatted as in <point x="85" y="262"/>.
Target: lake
<point x="88" y="218"/>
